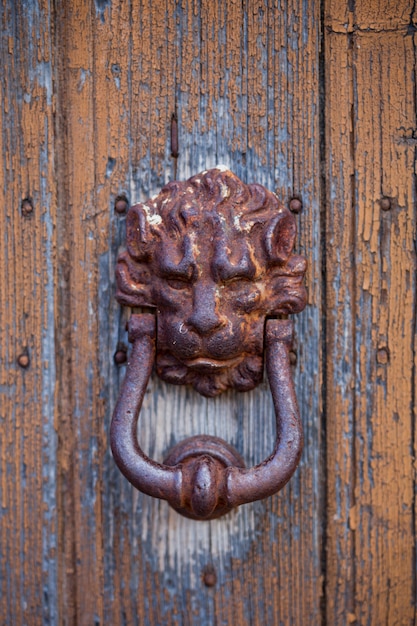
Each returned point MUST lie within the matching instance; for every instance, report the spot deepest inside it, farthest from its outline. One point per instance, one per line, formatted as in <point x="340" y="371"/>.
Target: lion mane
<point x="212" y="225"/>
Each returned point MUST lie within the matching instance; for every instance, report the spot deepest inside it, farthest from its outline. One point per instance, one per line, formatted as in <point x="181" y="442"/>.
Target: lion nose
<point x="204" y="318"/>
<point x="205" y="322"/>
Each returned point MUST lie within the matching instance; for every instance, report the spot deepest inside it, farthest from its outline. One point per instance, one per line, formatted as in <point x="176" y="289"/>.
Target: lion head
<point x="213" y="256"/>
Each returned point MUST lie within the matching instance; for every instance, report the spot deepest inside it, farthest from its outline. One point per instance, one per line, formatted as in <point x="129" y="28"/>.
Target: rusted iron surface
<point x="213" y="256"/>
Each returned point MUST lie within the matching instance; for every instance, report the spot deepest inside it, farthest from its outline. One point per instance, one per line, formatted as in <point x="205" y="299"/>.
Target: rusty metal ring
<point x="203" y="477"/>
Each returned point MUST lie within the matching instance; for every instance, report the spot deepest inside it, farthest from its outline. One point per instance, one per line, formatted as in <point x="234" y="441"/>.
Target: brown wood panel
<point x="94" y="116"/>
<point x="28" y="532"/>
<point x="340" y="322"/>
<point x="385" y="295"/>
<point x="370" y="268"/>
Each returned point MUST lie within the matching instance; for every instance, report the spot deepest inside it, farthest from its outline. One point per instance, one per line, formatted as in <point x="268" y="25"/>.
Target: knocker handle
<point x="145" y="474"/>
<point x="204" y="477"/>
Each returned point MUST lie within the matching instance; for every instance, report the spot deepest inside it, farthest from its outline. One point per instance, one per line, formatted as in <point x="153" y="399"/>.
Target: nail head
<point x="209" y="576"/>
<point x="26" y="206"/>
<point x="382" y="356"/>
<point x="296" y="205"/>
<point x="120" y="205"/>
<point x="23" y="360"/>
<point x="120" y="357"/>
<point x="385" y="203"/>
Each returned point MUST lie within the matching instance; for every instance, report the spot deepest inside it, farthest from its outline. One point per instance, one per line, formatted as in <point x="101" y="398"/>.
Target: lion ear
<point x="279" y="238"/>
<point x="139" y="237"/>
<point x="133" y="282"/>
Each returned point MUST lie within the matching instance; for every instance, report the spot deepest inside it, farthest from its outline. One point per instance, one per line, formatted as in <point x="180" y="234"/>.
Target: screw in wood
<point x="23" y="360"/>
<point x="296" y="205"/>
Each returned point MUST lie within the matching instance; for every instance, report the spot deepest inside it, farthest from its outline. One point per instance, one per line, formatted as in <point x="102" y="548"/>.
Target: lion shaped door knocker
<point x="213" y="257"/>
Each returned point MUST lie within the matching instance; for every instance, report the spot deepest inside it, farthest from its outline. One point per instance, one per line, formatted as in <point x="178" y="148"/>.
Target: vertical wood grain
<point x="28" y="514"/>
<point x="370" y="266"/>
<point x="89" y="77"/>
<point x="340" y="325"/>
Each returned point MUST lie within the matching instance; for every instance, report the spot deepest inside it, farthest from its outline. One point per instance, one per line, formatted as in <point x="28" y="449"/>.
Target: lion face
<point x="213" y="256"/>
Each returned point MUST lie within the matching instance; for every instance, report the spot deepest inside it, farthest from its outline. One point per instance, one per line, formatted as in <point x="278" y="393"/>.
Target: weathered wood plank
<point x="28" y="532"/>
<point x="371" y="332"/>
<point x="82" y="233"/>
<point x="226" y="69"/>
<point x="340" y="322"/>
<point x="385" y="295"/>
<point x="96" y="121"/>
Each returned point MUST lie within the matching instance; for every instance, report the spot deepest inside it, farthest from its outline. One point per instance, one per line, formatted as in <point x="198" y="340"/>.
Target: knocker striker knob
<point x="213" y="257"/>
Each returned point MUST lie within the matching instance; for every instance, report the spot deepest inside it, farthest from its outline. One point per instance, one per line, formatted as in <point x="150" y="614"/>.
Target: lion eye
<point x="244" y="295"/>
<point x="178" y="283"/>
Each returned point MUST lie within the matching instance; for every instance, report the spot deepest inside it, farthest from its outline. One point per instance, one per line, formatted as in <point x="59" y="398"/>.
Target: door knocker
<point x="213" y="257"/>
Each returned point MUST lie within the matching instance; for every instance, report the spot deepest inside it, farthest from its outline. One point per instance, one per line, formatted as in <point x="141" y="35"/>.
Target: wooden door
<point x="312" y="99"/>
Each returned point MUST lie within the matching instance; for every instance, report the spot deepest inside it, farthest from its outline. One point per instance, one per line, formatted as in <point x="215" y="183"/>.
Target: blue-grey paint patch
<point x="111" y="164"/>
<point x="101" y="6"/>
<point x="84" y="74"/>
<point x="116" y="71"/>
<point x="49" y="435"/>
